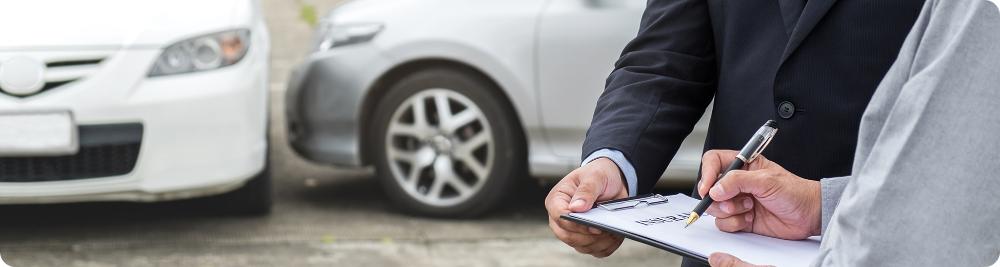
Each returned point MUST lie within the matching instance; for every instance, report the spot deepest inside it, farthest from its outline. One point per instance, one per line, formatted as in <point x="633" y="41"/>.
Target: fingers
<point x="712" y="163"/>
<point x="557" y="201"/>
<point x="733" y="215"/>
<point x="575" y="227"/>
<point x="725" y="260"/>
<point x="577" y="192"/>
<point x="737" y="205"/>
<point x="604" y="246"/>
<point x="557" y="204"/>
<point x="735" y="223"/>
<point x="599" y="245"/>
<point x="573" y="239"/>
<point x="598" y="180"/>
<point x="559" y="224"/>
<point x="611" y="248"/>
<point x="757" y="183"/>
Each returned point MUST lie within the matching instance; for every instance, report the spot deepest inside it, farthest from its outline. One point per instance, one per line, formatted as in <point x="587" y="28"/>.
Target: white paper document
<point x="661" y="219"/>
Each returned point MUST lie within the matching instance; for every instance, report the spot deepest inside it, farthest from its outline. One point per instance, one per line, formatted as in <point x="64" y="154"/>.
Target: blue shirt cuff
<point x="631" y="181"/>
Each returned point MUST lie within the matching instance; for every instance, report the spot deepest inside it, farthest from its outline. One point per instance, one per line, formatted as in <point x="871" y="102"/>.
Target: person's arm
<point x="924" y="192"/>
<point x="658" y="90"/>
<point x="660" y="87"/>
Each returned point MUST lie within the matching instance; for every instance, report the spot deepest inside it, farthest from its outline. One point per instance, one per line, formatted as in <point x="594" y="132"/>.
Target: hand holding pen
<point x="748" y="154"/>
<point x="764" y="198"/>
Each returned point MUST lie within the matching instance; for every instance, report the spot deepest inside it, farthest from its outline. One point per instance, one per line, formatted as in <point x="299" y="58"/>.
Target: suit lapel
<point x="791" y="10"/>
<point x="811" y="15"/>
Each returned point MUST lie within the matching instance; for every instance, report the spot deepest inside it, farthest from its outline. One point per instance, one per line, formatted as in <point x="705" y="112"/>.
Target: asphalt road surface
<point x="322" y="216"/>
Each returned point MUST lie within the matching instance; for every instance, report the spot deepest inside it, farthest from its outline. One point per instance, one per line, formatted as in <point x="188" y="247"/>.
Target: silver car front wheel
<point x="446" y="143"/>
<point x="439" y="146"/>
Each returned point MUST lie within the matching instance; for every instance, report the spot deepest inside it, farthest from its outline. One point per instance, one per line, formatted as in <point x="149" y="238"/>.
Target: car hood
<point x="42" y="24"/>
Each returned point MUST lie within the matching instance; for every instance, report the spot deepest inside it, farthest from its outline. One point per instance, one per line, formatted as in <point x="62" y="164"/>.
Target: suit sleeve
<point x="659" y="88"/>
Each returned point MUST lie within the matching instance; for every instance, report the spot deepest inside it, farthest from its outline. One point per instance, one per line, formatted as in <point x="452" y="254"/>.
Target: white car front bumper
<point x="201" y="133"/>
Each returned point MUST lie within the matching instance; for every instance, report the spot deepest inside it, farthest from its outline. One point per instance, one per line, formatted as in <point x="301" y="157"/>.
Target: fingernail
<point x="747" y="203"/>
<point x="717" y="190"/>
<point x="577" y="203"/>
<point x="725" y="206"/>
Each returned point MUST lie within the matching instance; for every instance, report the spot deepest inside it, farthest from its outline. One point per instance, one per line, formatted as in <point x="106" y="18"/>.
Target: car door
<point x="578" y="43"/>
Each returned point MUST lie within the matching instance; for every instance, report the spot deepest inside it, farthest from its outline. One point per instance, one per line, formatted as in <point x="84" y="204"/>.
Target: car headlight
<point x="329" y="35"/>
<point x="203" y="53"/>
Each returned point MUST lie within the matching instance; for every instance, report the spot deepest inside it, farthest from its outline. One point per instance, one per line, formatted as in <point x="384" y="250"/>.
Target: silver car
<point x="454" y="101"/>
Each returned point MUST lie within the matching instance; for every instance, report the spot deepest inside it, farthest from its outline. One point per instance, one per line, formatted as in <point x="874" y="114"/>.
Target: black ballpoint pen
<point x="750" y="151"/>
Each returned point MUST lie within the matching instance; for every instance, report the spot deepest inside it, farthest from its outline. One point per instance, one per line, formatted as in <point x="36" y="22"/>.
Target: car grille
<point x="62" y="72"/>
<point x="105" y="150"/>
<point x="62" y="69"/>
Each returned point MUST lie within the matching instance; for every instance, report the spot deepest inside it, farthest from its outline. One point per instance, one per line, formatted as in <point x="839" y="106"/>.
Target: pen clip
<point x="767" y="135"/>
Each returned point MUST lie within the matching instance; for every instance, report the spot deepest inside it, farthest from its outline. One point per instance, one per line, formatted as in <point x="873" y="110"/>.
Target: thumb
<point x="725" y="260"/>
<point x="591" y="186"/>
<point x="736" y="182"/>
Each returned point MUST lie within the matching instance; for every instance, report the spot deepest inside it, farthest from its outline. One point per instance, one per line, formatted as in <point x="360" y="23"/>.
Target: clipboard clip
<point x="633" y="202"/>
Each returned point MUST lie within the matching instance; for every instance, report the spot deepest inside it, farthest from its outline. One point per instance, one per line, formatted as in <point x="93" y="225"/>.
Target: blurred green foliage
<point x="307" y="13"/>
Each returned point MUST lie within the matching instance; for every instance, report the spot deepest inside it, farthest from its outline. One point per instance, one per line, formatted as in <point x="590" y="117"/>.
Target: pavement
<point x="322" y="216"/>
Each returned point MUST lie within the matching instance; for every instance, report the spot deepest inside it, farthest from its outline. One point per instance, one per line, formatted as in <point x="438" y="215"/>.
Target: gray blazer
<point x="925" y="184"/>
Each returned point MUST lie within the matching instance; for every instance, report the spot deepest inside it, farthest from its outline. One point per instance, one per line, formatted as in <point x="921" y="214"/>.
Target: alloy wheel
<point x="439" y="147"/>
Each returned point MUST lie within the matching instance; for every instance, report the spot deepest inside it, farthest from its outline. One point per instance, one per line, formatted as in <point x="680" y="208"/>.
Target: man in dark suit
<point x="811" y="65"/>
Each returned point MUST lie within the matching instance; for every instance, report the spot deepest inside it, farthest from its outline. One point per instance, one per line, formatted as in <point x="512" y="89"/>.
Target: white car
<point x="120" y="100"/>
<point x="453" y="101"/>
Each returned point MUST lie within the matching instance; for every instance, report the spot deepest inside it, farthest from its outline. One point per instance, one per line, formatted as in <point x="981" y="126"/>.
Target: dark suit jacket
<point x="741" y="52"/>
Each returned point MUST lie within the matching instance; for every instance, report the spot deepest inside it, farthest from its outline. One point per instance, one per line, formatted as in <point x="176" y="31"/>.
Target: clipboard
<point x="632" y="203"/>
<point x="658" y="221"/>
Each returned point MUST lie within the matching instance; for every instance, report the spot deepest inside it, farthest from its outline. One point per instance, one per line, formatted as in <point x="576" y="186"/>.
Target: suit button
<point x="786" y="110"/>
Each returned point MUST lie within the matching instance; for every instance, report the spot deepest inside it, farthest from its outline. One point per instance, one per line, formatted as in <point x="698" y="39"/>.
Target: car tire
<point x="254" y="198"/>
<point x="440" y="166"/>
